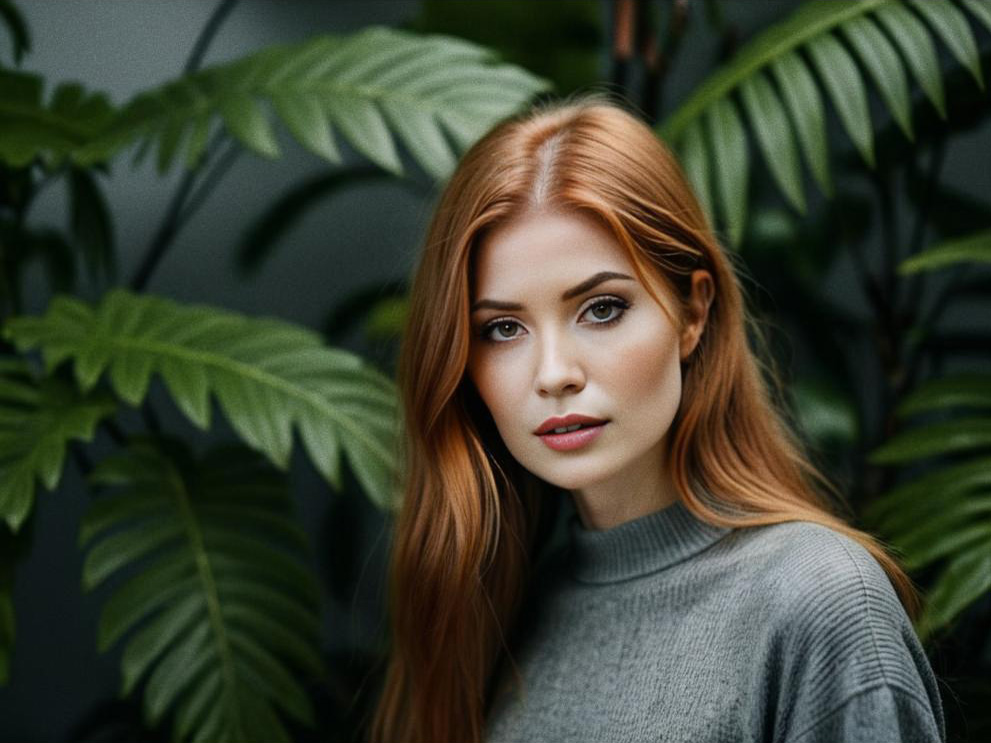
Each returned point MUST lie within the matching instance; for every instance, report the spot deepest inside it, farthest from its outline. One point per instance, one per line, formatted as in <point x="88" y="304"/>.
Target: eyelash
<point x="484" y="332"/>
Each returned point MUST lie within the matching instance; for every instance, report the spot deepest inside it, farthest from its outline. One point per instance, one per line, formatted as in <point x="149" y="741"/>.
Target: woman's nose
<point x="560" y="367"/>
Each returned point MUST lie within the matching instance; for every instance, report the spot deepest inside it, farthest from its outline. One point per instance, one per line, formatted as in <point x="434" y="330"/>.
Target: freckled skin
<point x="554" y="358"/>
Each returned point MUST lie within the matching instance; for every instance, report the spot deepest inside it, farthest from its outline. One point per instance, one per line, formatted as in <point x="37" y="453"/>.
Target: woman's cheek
<point x="646" y="367"/>
<point x="499" y="384"/>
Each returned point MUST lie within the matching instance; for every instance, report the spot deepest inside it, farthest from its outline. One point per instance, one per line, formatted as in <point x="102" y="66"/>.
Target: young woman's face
<point x="607" y="350"/>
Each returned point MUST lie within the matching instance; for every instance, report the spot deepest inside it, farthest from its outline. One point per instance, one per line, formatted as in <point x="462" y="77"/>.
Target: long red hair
<point x="472" y="520"/>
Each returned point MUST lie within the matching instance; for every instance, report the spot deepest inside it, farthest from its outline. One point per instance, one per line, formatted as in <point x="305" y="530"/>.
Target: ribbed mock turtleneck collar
<point x="643" y="545"/>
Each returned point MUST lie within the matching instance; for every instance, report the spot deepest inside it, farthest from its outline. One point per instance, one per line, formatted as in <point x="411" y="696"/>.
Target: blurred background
<point x="860" y="213"/>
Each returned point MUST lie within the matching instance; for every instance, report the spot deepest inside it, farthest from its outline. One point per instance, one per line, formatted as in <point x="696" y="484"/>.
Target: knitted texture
<point x="666" y="628"/>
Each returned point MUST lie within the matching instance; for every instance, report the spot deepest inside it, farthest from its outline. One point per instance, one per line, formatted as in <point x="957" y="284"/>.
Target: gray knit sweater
<point x="665" y="628"/>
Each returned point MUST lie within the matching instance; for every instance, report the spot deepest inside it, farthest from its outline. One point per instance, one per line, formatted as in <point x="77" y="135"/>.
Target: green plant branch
<point x="889" y="258"/>
<point x="873" y="290"/>
<point x="210" y="180"/>
<point x="885" y="288"/>
<point x="918" y="235"/>
<point x="172" y="222"/>
<point x="48" y="177"/>
<point x="917" y="281"/>
<point x="167" y="230"/>
<point x="931" y="317"/>
<point x="213" y="24"/>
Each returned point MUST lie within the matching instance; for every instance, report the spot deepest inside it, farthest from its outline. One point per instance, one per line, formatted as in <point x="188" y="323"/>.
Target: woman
<point x="706" y="589"/>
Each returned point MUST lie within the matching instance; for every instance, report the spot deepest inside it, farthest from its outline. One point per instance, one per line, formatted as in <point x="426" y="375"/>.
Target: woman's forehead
<point x="549" y="247"/>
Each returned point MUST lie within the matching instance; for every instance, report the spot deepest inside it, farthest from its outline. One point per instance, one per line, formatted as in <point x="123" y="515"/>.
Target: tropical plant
<point x="192" y="539"/>
<point x="230" y="606"/>
<point x="943" y="515"/>
<point x="219" y="606"/>
<point x="923" y="489"/>
<point x="773" y="79"/>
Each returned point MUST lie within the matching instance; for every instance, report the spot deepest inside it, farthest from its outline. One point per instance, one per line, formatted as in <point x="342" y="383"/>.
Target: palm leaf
<point x="944" y="514"/>
<point x="974" y="248"/>
<point x="37" y="422"/>
<point x="772" y="80"/>
<point x="267" y="375"/>
<point x="218" y="605"/>
<point x="366" y="86"/>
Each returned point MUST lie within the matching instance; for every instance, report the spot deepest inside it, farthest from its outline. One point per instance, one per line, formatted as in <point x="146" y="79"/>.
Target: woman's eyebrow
<point x="589" y="283"/>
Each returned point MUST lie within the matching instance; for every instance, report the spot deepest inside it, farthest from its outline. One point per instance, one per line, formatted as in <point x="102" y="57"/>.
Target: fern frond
<point x="268" y="377"/>
<point x="772" y="80"/>
<point x="219" y="607"/>
<point x="945" y="514"/>
<point x="974" y="248"/>
<point x="367" y="87"/>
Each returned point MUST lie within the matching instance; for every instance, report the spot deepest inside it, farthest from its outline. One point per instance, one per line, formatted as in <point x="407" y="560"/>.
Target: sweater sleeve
<point x="852" y="666"/>
<point x="884" y="714"/>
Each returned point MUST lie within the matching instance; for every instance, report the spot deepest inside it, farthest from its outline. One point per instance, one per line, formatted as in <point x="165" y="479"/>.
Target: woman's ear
<point x="703" y="291"/>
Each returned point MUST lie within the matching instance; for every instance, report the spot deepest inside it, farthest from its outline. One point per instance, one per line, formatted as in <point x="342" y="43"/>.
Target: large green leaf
<point x="963" y="389"/>
<point x="219" y="604"/>
<point x="38" y="419"/>
<point x="367" y="86"/>
<point x="914" y="501"/>
<point x="974" y="248"/>
<point x="30" y="127"/>
<point x="944" y="514"/>
<point x="268" y="377"/>
<point x="966" y="579"/>
<point x="885" y="37"/>
<point x="944" y="437"/>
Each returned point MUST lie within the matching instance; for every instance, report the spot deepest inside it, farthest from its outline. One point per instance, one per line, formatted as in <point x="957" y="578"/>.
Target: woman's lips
<point x="574" y="439"/>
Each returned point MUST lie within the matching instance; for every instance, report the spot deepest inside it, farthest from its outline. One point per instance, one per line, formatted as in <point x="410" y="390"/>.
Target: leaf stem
<point x="211" y="592"/>
<point x="172" y="221"/>
<point x="219" y="15"/>
<point x="210" y="180"/>
<point x="888" y="333"/>
<point x="916" y="282"/>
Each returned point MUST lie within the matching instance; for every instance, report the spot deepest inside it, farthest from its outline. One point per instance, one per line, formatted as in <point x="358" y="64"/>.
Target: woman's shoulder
<point x="839" y="626"/>
<point x="830" y="599"/>
<point x="804" y="564"/>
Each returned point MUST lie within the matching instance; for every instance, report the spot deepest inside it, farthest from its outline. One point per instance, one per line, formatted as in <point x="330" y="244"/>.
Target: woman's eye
<point x="499" y="325"/>
<point x="601" y="310"/>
